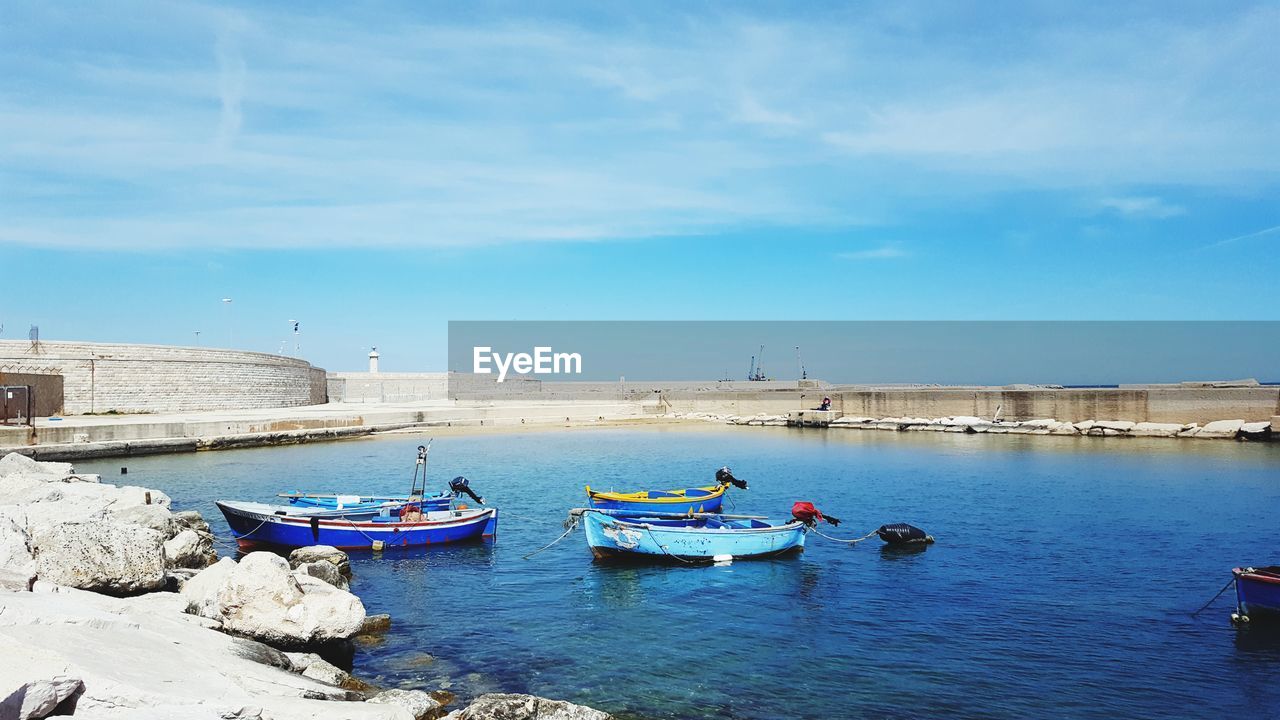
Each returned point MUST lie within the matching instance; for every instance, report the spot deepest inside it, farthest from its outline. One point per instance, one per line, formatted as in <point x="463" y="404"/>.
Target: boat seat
<point x="661" y="494"/>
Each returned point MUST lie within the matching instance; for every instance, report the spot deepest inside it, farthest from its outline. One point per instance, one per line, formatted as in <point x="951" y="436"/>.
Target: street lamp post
<point x="231" y="335"/>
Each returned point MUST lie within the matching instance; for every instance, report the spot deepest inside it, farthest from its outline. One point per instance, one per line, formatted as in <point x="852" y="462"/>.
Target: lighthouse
<point x="373" y="359"/>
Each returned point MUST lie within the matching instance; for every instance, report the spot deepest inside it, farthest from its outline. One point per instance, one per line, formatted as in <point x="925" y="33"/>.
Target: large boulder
<point x="14" y="464"/>
<point x="501" y="706"/>
<point x="188" y="549"/>
<point x="15" y="543"/>
<point x="1226" y="429"/>
<point x="103" y="556"/>
<point x="260" y="598"/>
<point x="325" y="571"/>
<point x="156" y="517"/>
<point x="418" y="703"/>
<point x="40" y="697"/>
<point x="1155" y="429"/>
<point x="321" y="553"/>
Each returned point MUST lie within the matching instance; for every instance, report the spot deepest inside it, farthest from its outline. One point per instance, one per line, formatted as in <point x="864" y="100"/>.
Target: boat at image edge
<point x="1257" y="593"/>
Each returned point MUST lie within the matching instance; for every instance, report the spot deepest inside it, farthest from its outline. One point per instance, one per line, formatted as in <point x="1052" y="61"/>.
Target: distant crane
<point x="756" y="373"/>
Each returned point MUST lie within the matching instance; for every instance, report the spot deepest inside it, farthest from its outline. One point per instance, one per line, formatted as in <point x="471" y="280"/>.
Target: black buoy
<point x="124" y="471"/>
<point x="903" y="534"/>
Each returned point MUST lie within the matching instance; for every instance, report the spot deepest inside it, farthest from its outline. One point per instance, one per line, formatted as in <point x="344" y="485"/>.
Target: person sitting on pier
<point x="826" y="404"/>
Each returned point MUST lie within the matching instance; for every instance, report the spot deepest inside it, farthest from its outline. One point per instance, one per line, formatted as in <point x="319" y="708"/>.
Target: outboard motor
<point x="806" y="513"/>
<point x="903" y="534"/>
<point x="724" y="476"/>
<point x="461" y="486"/>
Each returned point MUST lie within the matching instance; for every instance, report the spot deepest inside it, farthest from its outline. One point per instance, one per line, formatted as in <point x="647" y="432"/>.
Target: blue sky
<point x="376" y="169"/>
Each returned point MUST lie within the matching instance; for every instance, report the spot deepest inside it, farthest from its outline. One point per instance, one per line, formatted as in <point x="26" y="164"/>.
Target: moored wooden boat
<point x="698" y="538"/>
<point x="1257" y="593"/>
<point x="260" y="524"/>
<point x="707" y="499"/>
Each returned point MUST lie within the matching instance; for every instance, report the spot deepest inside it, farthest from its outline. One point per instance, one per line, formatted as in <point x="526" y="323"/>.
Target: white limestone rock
<point x="260" y="598"/>
<point x="14" y="464"/>
<point x="1063" y="428"/>
<point x="1254" y="428"/>
<point x="1084" y="427"/>
<point x="417" y="703"/>
<point x="188" y="549"/>
<point x="1039" y="424"/>
<point x="156" y="517"/>
<point x="107" y="557"/>
<point x="1117" y="425"/>
<point x="1226" y="429"/>
<point x="15" y="544"/>
<point x="325" y="571"/>
<point x="524" y="707"/>
<point x="321" y="553"/>
<point x="39" y="698"/>
<point x="1153" y="429"/>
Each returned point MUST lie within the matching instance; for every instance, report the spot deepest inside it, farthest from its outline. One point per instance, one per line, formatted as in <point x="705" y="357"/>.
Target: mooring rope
<point x="1215" y="597"/>
<point x="815" y="529"/>
<point x="264" y="522"/>
<point x="573" y="525"/>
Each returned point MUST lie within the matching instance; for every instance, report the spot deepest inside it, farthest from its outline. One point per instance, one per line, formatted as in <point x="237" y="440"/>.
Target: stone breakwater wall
<point x="364" y="387"/>
<point x="113" y="377"/>
<point x="1215" y="430"/>
<point x="1153" y="404"/>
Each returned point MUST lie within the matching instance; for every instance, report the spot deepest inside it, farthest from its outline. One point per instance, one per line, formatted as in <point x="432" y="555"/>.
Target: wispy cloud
<point x="1249" y="236"/>
<point x="886" y="252"/>
<point x="231" y="78"/>
<point x="260" y="127"/>
<point x="1142" y="207"/>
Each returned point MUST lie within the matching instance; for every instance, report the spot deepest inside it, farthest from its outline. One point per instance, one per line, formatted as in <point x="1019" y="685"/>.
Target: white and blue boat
<point x="689" y="538"/>
<point x="1257" y="593"/>
<point x="281" y="526"/>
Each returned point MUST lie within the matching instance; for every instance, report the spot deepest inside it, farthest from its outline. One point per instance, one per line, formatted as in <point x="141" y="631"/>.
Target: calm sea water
<point x="1060" y="585"/>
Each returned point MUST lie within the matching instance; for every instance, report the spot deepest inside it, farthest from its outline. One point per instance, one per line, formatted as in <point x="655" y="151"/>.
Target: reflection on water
<point x="1061" y="582"/>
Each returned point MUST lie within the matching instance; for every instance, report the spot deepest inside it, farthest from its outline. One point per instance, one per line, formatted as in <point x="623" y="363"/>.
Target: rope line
<point x="840" y="540"/>
<point x="1215" y="597"/>
<point x="572" y="526"/>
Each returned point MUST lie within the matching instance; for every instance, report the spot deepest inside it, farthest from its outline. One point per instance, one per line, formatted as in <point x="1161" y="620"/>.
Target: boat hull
<point x="256" y="525"/>
<point x="615" y="538"/>
<point x="1258" y="592"/>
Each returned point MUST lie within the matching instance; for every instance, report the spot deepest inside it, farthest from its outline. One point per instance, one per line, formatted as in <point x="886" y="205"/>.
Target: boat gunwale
<point x="1255" y="576"/>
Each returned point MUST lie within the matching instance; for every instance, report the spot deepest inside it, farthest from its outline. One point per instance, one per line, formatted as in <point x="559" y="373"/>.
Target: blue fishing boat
<point x="259" y="524"/>
<point x="1257" y="593"/>
<point x="708" y="499"/>
<point x="622" y="534"/>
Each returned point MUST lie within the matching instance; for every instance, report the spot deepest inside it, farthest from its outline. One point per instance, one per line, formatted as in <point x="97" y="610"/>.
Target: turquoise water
<point x="1061" y="582"/>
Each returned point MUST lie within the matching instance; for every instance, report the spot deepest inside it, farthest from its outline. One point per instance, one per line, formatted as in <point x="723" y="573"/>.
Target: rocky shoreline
<point x="113" y="606"/>
<point x="1216" y="430"/>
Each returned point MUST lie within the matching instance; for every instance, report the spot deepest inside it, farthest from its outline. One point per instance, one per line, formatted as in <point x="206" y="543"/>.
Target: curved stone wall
<point x="107" y="377"/>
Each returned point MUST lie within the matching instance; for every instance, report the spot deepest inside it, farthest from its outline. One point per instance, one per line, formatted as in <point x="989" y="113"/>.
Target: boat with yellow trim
<point x="707" y="499"/>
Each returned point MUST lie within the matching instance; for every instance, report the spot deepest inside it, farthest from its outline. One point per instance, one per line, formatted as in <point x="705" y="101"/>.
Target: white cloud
<point x="1142" y="207"/>
<point x="885" y="252"/>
